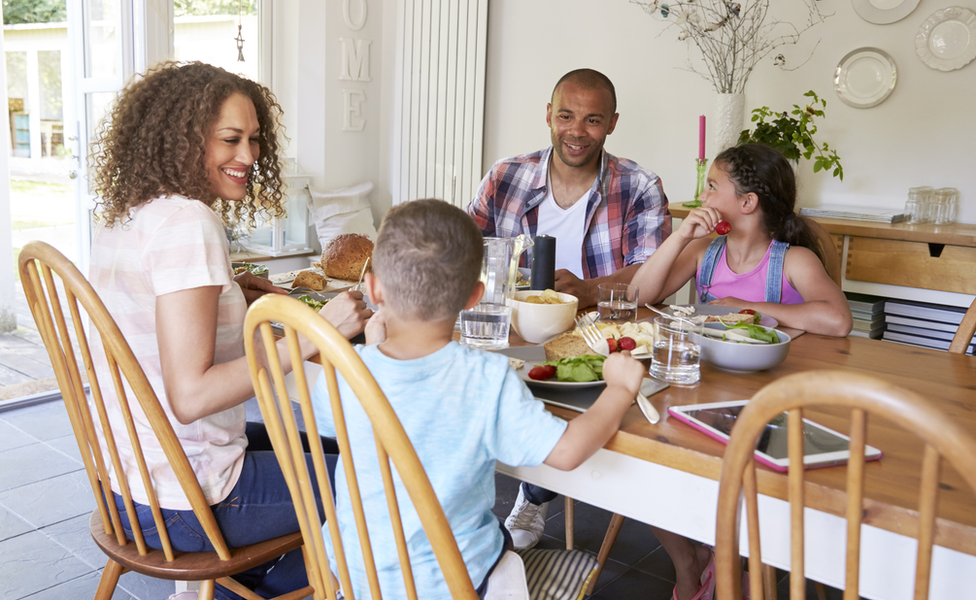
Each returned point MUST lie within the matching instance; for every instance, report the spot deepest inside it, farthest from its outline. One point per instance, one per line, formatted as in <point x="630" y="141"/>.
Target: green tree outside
<point x="34" y="11"/>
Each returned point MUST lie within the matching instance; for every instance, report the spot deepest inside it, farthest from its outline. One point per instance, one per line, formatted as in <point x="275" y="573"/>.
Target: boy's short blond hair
<point x="428" y="257"/>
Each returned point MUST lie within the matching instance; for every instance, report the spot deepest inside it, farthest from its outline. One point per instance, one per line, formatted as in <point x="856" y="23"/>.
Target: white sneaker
<point x="526" y="522"/>
<point x="188" y="595"/>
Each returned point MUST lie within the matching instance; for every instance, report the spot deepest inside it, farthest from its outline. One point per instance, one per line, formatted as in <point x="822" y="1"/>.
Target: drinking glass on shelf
<point x="617" y="302"/>
<point x="918" y="204"/>
<point x="946" y="202"/>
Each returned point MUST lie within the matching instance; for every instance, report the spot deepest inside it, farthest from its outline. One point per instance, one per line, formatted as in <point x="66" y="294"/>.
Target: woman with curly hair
<point x="184" y="148"/>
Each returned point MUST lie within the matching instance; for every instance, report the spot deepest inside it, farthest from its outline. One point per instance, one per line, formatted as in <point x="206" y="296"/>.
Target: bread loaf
<point x="344" y="256"/>
<point x="568" y="344"/>
<point x="311" y="280"/>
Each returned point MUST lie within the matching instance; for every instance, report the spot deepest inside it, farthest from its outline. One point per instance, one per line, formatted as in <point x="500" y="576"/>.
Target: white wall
<point x="923" y="134"/>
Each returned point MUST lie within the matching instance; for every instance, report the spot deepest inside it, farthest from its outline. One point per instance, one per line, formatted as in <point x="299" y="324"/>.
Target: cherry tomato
<point x="627" y="343"/>
<point x="613" y="345"/>
<point x="723" y="228"/>
<point x="747" y="311"/>
<point x="542" y="372"/>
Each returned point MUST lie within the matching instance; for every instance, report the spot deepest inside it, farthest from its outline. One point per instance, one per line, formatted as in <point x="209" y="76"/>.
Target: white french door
<point x="110" y="41"/>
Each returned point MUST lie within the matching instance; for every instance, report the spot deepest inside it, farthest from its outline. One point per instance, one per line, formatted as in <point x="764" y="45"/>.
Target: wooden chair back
<point x="62" y="321"/>
<point x="967" y="329"/>
<point x="828" y="247"/>
<point x="270" y="386"/>
<point x="862" y="395"/>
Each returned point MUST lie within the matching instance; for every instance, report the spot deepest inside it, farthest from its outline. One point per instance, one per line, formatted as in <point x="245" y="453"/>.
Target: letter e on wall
<point x="352" y="110"/>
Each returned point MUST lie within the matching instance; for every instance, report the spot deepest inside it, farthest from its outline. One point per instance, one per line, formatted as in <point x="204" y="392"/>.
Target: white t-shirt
<point x="566" y="225"/>
<point x="170" y="244"/>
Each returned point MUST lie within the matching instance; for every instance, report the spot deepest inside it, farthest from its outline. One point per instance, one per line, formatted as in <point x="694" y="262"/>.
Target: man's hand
<point x="254" y="287"/>
<point x="583" y="289"/>
<point x="348" y="313"/>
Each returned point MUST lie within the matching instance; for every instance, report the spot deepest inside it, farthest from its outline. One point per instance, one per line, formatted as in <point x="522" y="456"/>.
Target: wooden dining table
<point x="666" y="474"/>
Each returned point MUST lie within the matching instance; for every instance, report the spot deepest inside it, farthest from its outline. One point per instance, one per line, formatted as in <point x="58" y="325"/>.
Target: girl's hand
<point x="699" y="223"/>
<point x="348" y="313"/>
<point x="733" y="302"/>
<point x="254" y="287"/>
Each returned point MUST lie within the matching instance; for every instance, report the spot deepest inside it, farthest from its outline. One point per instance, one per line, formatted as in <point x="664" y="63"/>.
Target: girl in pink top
<point x="769" y="261"/>
<point x="185" y="149"/>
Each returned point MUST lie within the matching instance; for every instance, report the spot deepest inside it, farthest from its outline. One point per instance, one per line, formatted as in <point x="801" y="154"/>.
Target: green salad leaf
<point x="756" y="332"/>
<point x="312" y="303"/>
<point x="588" y="367"/>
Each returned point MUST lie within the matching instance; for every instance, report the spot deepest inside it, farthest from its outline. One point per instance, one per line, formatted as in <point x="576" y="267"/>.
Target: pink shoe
<point x="707" y="590"/>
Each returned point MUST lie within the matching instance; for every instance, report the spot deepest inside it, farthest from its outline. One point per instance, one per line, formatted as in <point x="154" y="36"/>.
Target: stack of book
<point x="921" y="324"/>
<point x="868" y="312"/>
<point x="877" y="215"/>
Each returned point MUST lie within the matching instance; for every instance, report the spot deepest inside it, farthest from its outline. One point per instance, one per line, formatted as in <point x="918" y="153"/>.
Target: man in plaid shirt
<point x="607" y="213"/>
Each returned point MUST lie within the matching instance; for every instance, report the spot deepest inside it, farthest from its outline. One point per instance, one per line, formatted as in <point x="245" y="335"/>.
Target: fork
<point x="595" y="340"/>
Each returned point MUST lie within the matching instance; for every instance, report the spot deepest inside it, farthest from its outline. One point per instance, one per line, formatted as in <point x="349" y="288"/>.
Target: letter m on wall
<point x="355" y="59"/>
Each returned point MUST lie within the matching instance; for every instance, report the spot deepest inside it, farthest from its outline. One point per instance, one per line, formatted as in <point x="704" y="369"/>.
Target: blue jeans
<point x="259" y="508"/>
<point x="537" y="495"/>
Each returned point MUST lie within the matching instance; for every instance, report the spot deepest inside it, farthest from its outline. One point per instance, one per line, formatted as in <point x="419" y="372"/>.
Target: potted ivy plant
<point x="792" y="134"/>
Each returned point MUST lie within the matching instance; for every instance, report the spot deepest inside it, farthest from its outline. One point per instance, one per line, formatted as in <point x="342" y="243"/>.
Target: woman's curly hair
<point x="762" y="170"/>
<point x="153" y="143"/>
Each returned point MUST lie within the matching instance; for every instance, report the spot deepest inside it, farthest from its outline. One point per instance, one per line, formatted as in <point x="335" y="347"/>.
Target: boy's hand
<point x="348" y="313"/>
<point x="620" y="369"/>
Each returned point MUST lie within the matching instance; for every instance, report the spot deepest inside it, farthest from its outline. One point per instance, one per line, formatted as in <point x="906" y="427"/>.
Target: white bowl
<point x="536" y="323"/>
<point x="742" y="357"/>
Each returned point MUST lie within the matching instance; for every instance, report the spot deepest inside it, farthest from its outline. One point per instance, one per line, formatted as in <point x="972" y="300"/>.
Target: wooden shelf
<point x="957" y="234"/>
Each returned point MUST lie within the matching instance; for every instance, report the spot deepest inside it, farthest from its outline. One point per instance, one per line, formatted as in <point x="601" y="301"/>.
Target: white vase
<point x="729" y="112"/>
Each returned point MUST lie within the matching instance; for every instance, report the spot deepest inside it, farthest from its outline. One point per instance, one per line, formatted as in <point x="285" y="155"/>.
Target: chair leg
<point x="207" y="589"/>
<point x="821" y="591"/>
<point x="109" y="580"/>
<point x="769" y="582"/>
<point x="611" y="536"/>
<point x="568" y="514"/>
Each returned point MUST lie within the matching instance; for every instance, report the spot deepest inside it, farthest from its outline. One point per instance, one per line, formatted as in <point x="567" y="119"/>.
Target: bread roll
<point x="311" y="280"/>
<point x="344" y="256"/>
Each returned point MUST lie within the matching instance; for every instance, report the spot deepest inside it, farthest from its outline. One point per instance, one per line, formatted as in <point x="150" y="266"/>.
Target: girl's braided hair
<point x="153" y="141"/>
<point x="762" y="170"/>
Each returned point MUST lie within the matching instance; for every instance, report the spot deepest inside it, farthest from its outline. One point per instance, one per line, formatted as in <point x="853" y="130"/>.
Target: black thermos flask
<point x="543" y="263"/>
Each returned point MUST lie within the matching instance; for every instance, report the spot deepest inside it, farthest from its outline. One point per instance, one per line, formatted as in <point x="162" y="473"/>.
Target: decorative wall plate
<point x="947" y="40"/>
<point x="865" y="77"/>
<point x="883" y="12"/>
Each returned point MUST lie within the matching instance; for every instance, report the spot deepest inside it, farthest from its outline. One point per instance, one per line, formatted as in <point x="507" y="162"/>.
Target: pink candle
<point x="701" y="137"/>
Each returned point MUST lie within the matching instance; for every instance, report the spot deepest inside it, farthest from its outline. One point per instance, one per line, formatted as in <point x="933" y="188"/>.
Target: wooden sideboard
<point x="927" y="257"/>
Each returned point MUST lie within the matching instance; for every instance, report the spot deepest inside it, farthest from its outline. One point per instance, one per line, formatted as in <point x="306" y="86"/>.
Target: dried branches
<point x="731" y="36"/>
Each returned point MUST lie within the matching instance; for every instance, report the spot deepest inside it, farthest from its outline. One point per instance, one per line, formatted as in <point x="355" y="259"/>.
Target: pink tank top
<point x="750" y="286"/>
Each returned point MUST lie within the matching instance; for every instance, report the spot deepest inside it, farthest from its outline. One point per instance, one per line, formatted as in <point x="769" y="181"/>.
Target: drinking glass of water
<point x="617" y="302"/>
<point x="486" y="326"/>
<point x="675" y="357"/>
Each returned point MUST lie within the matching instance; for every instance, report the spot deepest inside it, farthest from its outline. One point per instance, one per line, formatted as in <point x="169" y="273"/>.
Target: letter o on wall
<point x="348" y="17"/>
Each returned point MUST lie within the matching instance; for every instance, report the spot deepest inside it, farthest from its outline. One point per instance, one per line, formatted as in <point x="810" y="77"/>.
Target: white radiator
<point x="439" y="105"/>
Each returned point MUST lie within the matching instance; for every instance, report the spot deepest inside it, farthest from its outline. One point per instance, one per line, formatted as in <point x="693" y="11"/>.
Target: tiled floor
<point x="46" y="552"/>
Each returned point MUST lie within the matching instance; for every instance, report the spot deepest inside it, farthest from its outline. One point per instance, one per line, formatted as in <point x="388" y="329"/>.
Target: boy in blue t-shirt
<point x="463" y="409"/>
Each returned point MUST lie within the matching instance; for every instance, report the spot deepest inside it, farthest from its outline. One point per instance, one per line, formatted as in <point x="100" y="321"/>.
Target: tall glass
<point x="675" y="358"/>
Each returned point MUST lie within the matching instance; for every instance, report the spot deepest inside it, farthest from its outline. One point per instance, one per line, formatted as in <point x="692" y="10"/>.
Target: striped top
<point x="626" y="219"/>
<point x="168" y="245"/>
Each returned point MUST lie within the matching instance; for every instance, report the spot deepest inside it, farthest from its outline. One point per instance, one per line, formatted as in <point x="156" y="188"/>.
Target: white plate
<point x="715" y="310"/>
<point x="884" y="12"/>
<point x="865" y="77"/>
<point x="534" y="355"/>
<point x="946" y="41"/>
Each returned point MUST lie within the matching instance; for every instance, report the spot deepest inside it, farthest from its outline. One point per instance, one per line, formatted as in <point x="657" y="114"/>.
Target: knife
<point x="648" y="409"/>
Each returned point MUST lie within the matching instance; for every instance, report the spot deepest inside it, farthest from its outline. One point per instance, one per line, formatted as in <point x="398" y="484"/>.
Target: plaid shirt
<point x="626" y="220"/>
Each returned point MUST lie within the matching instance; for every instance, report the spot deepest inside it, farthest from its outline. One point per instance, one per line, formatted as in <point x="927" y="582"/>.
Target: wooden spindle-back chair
<point x="392" y="443"/>
<point x="964" y="335"/>
<point x="861" y="394"/>
<point x="61" y="322"/>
